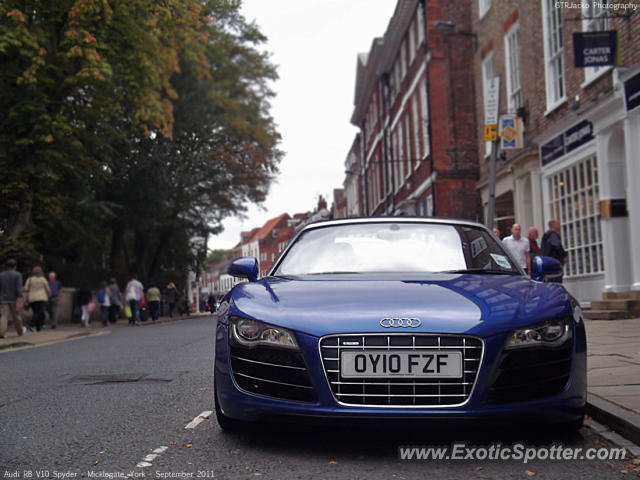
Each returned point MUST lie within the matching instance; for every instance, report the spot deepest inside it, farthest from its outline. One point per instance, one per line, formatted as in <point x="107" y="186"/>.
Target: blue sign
<point x="595" y="49"/>
<point x="566" y="142"/>
<point x="632" y="92"/>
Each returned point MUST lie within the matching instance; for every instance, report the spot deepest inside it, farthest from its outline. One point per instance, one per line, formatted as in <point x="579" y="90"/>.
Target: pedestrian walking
<point x="52" y="306"/>
<point x="171" y="297"/>
<point x="115" y="300"/>
<point x="153" y="300"/>
<point x="519" y="247"/>
<point x="11" y="297"/>
<point x="144" y="312"/>
<point x="84" y="299"/>
<point x="132" y="295"/>
<point x="496" y="232"/>
<point x="213" y="304"/>
<point x="551" y="245"/>
<point x="534" y="249"/>
<point x="105" y="303"/>
<point x="36" y="295"/>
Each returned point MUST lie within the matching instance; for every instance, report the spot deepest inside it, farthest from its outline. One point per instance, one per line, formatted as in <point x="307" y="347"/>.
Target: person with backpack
<point x="551" y="245"/>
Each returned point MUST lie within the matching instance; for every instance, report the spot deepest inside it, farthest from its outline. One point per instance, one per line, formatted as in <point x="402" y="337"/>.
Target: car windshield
<point x="395" y="248"/>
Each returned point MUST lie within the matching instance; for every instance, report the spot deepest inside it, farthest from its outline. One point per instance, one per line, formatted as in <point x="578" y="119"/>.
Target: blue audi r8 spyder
<point x="399" y="318"/>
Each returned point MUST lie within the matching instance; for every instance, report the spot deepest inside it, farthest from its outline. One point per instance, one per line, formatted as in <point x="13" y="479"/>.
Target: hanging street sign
<point x="511" y="132"/>
<point x="595" y="49"/>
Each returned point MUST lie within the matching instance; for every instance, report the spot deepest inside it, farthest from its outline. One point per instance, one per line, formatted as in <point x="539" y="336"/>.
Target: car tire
<point x="227" y="424"/>
<point x="569" y="428"/>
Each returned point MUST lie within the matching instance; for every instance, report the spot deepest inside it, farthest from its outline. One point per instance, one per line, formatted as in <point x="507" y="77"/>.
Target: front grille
<point x="272" y="372"/>
<point x="401" y="392"/>
<point x="530" y="373"/>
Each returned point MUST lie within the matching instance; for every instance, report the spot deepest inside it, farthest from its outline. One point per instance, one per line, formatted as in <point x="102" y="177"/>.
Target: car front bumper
<point x="565" y="406"/>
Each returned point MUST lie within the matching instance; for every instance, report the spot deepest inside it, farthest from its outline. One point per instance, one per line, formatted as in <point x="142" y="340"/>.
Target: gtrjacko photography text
<point x="516" y="451"/>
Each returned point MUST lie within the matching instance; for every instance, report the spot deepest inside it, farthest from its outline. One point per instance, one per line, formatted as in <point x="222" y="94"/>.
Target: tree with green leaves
<point x="132" y="128"/>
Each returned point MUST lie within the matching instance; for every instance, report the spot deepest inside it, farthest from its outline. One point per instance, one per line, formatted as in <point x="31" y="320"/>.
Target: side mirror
<point x="544" y="268"/>
<point x="244" y="267"/>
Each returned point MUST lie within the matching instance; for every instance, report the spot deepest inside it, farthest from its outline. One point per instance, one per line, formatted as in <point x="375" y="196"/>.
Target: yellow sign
<point x="490" y="133"/>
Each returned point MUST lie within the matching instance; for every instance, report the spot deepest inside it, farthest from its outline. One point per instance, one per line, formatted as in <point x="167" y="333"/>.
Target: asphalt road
<point x="99" y="406"/>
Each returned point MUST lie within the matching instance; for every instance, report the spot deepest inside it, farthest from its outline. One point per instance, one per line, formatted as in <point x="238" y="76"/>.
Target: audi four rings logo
<point x="400" y="322"/>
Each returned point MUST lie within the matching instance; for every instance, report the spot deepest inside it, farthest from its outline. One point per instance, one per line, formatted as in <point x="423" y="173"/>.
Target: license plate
<point x="410" y="363"/>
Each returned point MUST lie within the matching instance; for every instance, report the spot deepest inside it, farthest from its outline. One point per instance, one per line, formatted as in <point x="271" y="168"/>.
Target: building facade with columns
<point x="580" y="161"/>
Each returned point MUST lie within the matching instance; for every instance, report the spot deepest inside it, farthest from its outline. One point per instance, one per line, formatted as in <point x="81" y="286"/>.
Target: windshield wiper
<point x="482" y="270"/>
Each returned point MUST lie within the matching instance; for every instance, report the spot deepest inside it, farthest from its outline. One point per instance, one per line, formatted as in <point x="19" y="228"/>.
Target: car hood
<point x="445" y="303"/>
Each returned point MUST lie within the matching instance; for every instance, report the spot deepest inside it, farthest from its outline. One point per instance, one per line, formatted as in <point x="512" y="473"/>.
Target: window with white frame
<point x="487" y="75"/>
<point x="394" y="139"/>
<point x="424" y="119"/>
<point x="420" y="24"/>
<point x="483" y="7"/>
<point x="401" y="149"/>
<point x="403" y="57"/>
<point x="553" y="52"/>
<point x="594" y="19"/>
<point x="416" y="128"/>
<point x="574" y="200"/>
<point x="407" y="144"/>
<point x="412" y="42"/>
<point x="512" y="52"/>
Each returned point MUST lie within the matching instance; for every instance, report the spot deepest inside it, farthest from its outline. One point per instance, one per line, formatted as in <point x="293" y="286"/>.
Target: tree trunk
<point x="22" y="219"/>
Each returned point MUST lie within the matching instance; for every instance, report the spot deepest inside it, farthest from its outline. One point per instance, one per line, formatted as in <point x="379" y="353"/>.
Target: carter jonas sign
<point x="595" y="49"/>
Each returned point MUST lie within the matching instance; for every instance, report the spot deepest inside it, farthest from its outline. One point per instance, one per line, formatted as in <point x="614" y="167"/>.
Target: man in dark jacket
<point x="552" y="245"/>
<point x="10" y="298"/>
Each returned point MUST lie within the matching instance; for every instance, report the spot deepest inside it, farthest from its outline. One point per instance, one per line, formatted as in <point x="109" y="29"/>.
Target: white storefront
<point x="590" y="173"/>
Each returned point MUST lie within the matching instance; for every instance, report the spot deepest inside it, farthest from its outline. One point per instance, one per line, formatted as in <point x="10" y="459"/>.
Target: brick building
<point x="581" y="141"/>
<point x="352" y="184"/>
<point x="414" y="105"/>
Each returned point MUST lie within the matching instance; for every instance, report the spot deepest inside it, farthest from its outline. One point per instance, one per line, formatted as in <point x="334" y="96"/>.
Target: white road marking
<point x="150" y="457"/>
<point x="146" y="461"/>
<point x="199" y="419"/>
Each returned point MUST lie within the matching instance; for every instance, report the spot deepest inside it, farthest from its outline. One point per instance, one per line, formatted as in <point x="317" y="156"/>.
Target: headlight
<point x="549" y="334"/>
<point x="251" y="333"/>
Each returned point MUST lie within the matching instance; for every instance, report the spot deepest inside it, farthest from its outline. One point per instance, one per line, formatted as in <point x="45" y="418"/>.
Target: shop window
<point x="574" y="200"/>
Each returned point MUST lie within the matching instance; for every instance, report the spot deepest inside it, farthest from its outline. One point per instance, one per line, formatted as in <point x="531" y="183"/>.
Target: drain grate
<point x="116" y="378"/>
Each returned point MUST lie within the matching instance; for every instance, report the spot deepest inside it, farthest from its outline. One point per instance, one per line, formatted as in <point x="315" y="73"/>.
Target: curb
<point x="625" y="422"/>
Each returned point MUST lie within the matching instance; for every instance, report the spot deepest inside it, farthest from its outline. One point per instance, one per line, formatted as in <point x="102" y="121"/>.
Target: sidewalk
<point x="613" y="374"/>
<point x="69" y="331"/>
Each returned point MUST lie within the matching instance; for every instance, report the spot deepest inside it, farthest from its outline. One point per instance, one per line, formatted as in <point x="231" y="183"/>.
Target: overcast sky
<point x="315" y="44"/>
